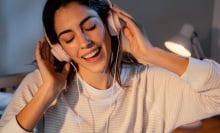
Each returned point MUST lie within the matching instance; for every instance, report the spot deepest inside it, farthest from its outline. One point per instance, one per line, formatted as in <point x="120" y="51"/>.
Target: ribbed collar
<point x="109" y="95"/>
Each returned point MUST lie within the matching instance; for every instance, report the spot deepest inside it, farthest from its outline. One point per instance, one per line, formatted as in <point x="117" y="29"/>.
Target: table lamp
<point x="186" y="43"/>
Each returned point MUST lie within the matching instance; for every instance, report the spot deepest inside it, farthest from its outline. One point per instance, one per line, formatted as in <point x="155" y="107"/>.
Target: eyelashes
<point x="91" y="28"/>
<point x="69" y="41"/>
<point x="85" y="29"/>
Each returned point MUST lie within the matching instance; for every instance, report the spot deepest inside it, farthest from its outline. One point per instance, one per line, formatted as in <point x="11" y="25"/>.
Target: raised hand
<point x="52" y="85"/>
<point x="45" y="61"/>
<point x="142" y="49"/>
<point x="139" y="44"/>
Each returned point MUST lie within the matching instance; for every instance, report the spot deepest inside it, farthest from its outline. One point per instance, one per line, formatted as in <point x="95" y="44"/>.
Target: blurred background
<point x="21" y="26"/>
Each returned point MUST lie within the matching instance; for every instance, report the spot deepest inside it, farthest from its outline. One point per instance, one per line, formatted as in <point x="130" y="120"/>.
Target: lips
<point x="92" y="54"/>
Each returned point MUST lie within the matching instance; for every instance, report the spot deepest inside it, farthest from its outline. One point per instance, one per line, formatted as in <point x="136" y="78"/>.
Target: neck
<point x="101" y="81"/>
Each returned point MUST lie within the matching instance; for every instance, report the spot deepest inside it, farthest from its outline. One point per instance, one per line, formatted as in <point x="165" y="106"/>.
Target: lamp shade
<point x="181" y="43"/>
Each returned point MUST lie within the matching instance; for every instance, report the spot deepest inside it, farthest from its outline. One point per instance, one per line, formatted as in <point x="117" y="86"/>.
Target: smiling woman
<point x="84" y="39"/>
<point x="101" y="88"/>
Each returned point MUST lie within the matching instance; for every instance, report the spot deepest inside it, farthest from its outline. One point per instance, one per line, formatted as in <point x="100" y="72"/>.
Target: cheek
<point x="99" y="35"/>
<point x="102" y="32"/>
<point x="71" y="51"/>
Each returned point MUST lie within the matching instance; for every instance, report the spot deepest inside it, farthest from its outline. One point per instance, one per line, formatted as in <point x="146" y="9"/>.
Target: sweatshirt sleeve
<point x="193" y="96"/>
<point x="198" y="71"/>
<point x="12" y="127"/>
<point x="23" y="94"/>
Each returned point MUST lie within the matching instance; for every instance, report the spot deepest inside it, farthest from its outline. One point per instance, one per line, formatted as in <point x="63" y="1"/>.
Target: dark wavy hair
<point x="102" y="8"/>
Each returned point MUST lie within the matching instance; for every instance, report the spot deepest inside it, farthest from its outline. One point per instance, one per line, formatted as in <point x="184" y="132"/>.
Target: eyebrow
<point x="81" y="23"/>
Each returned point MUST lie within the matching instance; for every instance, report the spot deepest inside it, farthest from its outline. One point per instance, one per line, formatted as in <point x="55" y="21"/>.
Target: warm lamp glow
<point x="181" y="43"/>
<point x="178" y="49"/>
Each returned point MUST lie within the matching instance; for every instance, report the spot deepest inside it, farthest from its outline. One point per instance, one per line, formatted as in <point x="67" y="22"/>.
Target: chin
<point x="100" y="69"/>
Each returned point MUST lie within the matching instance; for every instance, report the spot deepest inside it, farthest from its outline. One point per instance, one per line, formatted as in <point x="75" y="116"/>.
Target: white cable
<point x="77" y="84"/>
<point x="68" y="104"/>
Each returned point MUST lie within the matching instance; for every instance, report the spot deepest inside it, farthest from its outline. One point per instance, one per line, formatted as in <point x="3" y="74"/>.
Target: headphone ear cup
<point x="59" y="53"/>
<point x="116" y="22"/>
<point x="114" y="25"/>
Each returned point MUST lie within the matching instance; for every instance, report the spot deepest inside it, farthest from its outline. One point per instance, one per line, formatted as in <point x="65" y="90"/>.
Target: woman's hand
<point x="140" y="46"/>
<point x="50" y="77"/>
<point x="53" y="83"/>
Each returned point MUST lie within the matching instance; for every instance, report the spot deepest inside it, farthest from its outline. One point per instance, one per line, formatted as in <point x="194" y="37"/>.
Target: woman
<point x="108" y="91"/>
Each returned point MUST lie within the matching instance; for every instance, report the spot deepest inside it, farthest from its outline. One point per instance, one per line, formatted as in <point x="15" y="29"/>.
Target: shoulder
<point x="33" y="77"/>
<point x="131" y="69"/>
<point x="131" y="72"/>
<point x="151" y="72"/>
<point x="31" y="82"/>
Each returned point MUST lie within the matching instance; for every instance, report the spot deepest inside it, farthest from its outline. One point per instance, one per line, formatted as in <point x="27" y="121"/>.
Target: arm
<point x="197" y="73"/>
<point x="146" y="52"/>
<point x="167" y="60"/>
<point x="180" y="102"/>
<point x="24" y="93"/>
<point x="51" y="86"/>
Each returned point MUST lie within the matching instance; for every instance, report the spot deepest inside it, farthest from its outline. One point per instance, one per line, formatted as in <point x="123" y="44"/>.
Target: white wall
<point x="21" y="26"/>
<point x="20" y="29"/>
<point x="216" y="32"/>
<point x="164" y="18"/>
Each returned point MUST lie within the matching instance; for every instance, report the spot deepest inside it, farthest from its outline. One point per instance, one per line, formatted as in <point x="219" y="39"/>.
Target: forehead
<point x="72" y="14"/>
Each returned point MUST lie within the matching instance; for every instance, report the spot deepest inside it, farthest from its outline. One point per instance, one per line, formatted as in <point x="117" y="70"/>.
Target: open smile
<point x="92" y="54"/>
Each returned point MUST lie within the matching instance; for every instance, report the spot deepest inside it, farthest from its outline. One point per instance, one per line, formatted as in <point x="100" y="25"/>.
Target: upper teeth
<point x="91" y="54"/>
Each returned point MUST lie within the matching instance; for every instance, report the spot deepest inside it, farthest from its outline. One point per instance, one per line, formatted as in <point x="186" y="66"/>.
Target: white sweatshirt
<point x="153" y="100"/>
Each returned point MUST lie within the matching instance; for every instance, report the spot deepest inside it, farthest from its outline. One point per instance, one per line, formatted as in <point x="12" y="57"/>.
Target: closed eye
<point x="68" y="41"/>
<point x="91" y="28"/>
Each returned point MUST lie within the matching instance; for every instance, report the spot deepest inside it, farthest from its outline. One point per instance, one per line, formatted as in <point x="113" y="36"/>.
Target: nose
<point x="84" y="41"/>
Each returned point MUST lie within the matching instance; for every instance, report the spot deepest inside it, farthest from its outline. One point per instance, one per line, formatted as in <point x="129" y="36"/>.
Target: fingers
<point x="124" y="15"/>
<point x="127" y="33"/>
<point x="66" y="68"/>
<point x="43" y="55"/>
<point x="45" y="50"/>
<point x="37" y="52"/>
<point x="117" y="10"/>
<point x="127" y="19"/>
<point x="48" y="50"/>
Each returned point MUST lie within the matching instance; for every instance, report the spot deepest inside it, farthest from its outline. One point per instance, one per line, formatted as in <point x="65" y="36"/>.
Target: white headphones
<point x="58" y="51"/>
<point x="114" y="27"/>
